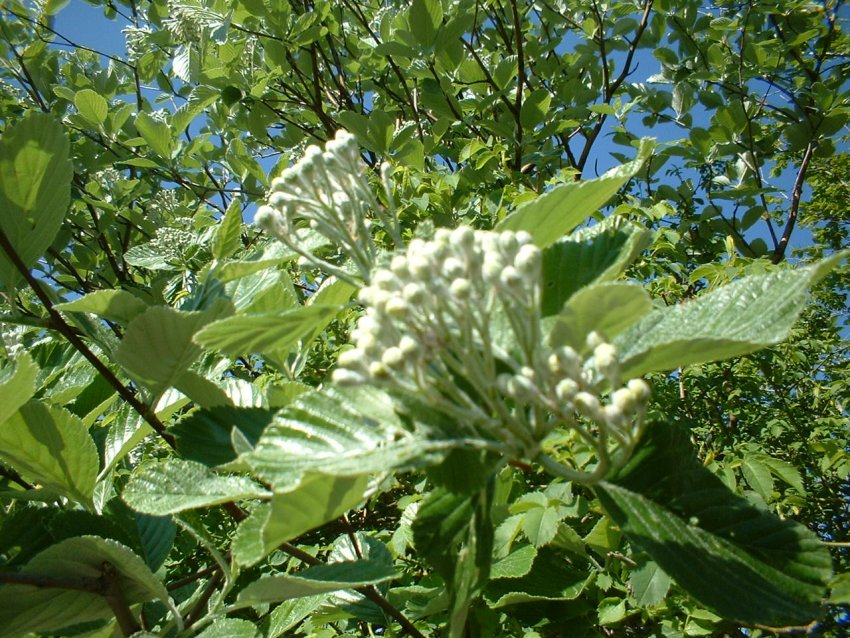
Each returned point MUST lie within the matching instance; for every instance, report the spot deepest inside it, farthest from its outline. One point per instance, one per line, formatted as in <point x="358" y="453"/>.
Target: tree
<point x="410" y="399"/>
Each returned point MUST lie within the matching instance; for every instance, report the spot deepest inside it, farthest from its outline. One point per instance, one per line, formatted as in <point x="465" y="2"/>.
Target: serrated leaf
<point x="744" y="316"/>
<point x="595" y="254"/>
<point x="176" y="485"/>
<point x="26" y="609"/>
<point x="540" y="525"/>
<point x="315" y="580"/>
<point x="516" y="564"/>
<point x="205" y="435"/>
<point x="649" y="584"/>
<point x="264" y="333"/>
<point x="560" y="210"/>
<point x="785" y="471"/>
<point x="18" y="386"/>
<point x="156" y="133"/>
<point x="156" y="535"/>
<point x="35" y="188"/>
<point x="757" y="476"/>
<point x="50" y="446"/>
<point x="607" y="308"/>
<point x="737" y="560"/>
<point x="291" y="612"/>
<point x="92" y="106"/>
<point x="228" y="237"/>
<point x="550" y="578"/>
<point x="114" y="305"/>
<point x="230" y="628"/>
<point x="339" y="431"/>
<point x="126" y="431"/>
<point x="157" y="347"/>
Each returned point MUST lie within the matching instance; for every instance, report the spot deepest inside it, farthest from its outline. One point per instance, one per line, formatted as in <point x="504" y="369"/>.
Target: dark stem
<point x="796" y="195"/>
<point x="111" y="590"/>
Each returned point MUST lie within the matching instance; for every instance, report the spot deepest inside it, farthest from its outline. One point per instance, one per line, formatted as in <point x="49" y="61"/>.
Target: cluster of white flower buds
<point x="327" y="192"/>
<point x="456" y="322"/>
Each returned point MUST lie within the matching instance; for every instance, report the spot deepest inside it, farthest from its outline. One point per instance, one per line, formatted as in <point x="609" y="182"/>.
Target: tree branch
<point x="796" y="195"/>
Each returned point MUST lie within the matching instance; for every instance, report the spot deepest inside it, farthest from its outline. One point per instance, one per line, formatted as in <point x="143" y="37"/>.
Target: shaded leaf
<point x="205" y="435"/>
<point x="35" y="188"/>
<point x="550" y="578"/>
<point x="737" y="560"/>
<point x="649" y="584"/>
<point x="50" y="446"/>
<point x="114" y="305"/>
<point x="17" y="386"/>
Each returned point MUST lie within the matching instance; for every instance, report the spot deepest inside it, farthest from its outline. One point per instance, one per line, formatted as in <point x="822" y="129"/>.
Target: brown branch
<point x="13" y="476"/>
<point x="111" y="590"/>
<point x="89" y="585"/>
<point x="520" y="82"/>
<point x="201" y="604"/>
<point x="796" y="195"/>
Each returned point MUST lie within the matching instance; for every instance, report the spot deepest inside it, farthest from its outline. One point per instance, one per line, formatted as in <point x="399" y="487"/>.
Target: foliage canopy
<point x="492" y="362"/>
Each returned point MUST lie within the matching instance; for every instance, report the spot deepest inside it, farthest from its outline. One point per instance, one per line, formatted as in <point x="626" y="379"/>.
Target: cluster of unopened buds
<point x="327" y="193"/>
<point x="455" y="322"/>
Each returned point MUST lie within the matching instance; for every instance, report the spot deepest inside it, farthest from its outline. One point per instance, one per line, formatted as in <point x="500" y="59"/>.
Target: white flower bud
<point x="442" y="236"/>
<point x="510" y="277"/>
<point x="385" y="280"/>
<point x="463" y="237"/>
<point x="461" y="288"/>
<point x="588" y="405"/>
<point x="492" y="268"/>
<point x="399" y="266"/>
<point x="377" y="370"/>
<point x="624" y="399"/>
<point x="266" y="218"/>
<point x="566" y="390"/>
<point x="614" y="415"/>
<point x="414" y="293"/>
<point x="408" y="346"/>
<point x="393" y="357"/>
<point x="523" y="237"/>
<point x="640" y="389"/>
<point x="397" y="308"/>
<point x="420" y="267"/>
<point x="594" y="339"/>
<point x="522" y="388"/>
<point x="351" y="358"/>
<point x="605" y="360"/>
<point x="342" y="376"/>
<point x="528" y="260"/>
<point x="453" y="268"/>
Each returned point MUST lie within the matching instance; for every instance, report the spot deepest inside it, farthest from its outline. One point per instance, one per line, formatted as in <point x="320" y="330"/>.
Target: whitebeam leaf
<point x="18" y="386"/>
<point x="745" y="316"/>
<point x="176" y="485"/>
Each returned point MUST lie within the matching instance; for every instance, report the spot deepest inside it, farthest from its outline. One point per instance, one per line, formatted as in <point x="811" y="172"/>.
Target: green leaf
<point x="176" y="485"/>
<point x="156" y="133"/>
<point x="560" y="210"/>
<point x="157" y="347"/>
<point x="607" y="308"/>
<point x="114" y="305"/>
<point x="205" y="435"/>
<point x="757" y="476"/>
<point x="516" y="564"/>
<point x="550" y="578"/>
<point x="291" y="612"/>
<point x="426" y="16"/>
<point x="264" y="333"/>
<point x="535" y="106"/>
<point x="339" y="431"/>
<point x="315" y="580"/>
<point x="50" y="446"/>
<point x="744" y="316"/>
<point x="595" y="254"/>
<point x="92" y="106"/>
<point x="228" y="237"/>
<point x="25" y="609"/>
<point x="35" y="188"/>
<point x="314" y="501"/>
<point x="649" y="584"/>
<point x="230" y="628"/>
<point x="739" y="561"/>
<point x="540" y="524"/>
<point x="17" y="387"/>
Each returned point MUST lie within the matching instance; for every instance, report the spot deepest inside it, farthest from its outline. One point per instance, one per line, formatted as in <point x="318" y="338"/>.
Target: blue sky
<point x="86" y="25"/>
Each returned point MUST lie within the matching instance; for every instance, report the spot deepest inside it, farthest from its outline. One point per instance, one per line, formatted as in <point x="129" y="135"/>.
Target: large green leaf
<point x="268" y="332"/>
<point x="156" y="132"/>
<point x="228" y="236"/>
<point x="607" y="308"/>
<point x="51" y="447"/>
<point x="25" y="608"/>
<point x="176" y="485"/>
<point x="339" y="431"/>
<point x="206" y="436"/>
<point x="747" y="315"/>
<point x="736" y="559"/>
<point x="115" y="305"/>
<point x="158" y="348"/>
<point x="315" y="580"/>
<point x="314" y="501"/>
<point x="560" y="210"/>
<point x="550" y="578"/>
<point x="35" y="188"/>
<point x="595" y="254"/>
